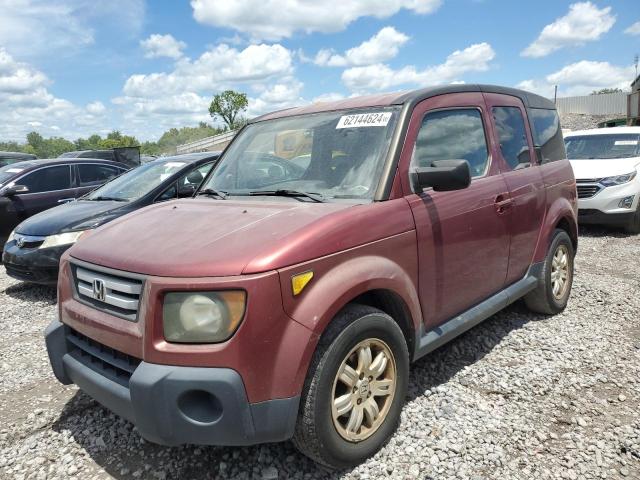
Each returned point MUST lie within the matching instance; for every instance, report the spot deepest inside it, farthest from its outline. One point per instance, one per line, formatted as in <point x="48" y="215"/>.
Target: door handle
<point x="66" y="200"/>
<point x="503" y="203"/>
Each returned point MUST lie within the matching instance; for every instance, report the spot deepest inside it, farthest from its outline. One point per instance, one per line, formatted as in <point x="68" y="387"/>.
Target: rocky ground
<point x="521" y="396"/>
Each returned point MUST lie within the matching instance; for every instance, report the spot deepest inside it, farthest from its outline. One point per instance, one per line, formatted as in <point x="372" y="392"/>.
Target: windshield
<point x="602" y="146"/>
<point x="334" y="154"/>
<point x="137" y="182"/>
<point x="9" y="171"/>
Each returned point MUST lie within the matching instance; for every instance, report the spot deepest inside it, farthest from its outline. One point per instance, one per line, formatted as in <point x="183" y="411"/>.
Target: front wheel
<point x="554" y="286"/>
<point x="355" y="388"/>
<point x="633" y="227"/>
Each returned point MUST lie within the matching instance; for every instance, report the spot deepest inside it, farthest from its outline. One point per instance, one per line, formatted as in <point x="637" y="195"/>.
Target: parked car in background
<point x="289" y="299"/>
<point x="127" y="155"/>
<point x="29" y="187"/>
<point x="9" y="158"/>
<point x="32" y="252"/>
<point x="606" y="162"/>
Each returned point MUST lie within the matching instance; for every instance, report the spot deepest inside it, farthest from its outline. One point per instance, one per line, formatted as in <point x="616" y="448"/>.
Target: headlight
<point x="618" y="179"/>
<point x="202" y="317"/>
<point x="61" y="239"/>
<point x="12" y="236"/>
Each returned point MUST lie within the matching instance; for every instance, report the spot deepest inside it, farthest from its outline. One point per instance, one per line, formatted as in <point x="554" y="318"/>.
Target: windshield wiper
<point x="222" y="195"/>
<point x="106" y="199"/>
<point x="316" y="197"/>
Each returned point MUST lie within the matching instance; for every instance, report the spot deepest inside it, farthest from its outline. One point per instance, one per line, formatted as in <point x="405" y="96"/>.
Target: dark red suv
<point x="332" y="245"/>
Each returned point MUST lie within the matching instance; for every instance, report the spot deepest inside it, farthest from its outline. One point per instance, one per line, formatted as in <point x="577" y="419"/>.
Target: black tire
<point x="316" y="435"/>
<point x="542" y="299"/>
<point x="633" y="227"/>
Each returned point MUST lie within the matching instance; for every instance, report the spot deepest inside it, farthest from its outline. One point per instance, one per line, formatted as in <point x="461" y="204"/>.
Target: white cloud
<point x="157" y="46"/>
<point x="328" y="97"/>
<point x="26" y="104"/>
<point x="31" y="28"/>
<point x="383" y="46"/>
<point x="96" y="108"/>
<point x="581" y="78"/>
<point x="584" y="23"/>
<point x="220" y="66"/>
<point x="277" y="19"/>
<point x="475" y="58"/>
<point x="633" y="29"/>
<point x="181" y="96"/>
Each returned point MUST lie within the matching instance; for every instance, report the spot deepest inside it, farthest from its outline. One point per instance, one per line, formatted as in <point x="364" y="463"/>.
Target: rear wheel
<point x="355" y="388"/>
<point x="554" y="285"/>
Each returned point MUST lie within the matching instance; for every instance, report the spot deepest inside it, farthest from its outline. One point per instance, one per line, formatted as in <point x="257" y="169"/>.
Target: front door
<point x="48" y="187"/>
<point x="463" y="235"/>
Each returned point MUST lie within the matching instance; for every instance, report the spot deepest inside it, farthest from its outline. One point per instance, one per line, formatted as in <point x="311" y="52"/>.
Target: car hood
<point x="595" y="168"/>
<point x="205" y="237"/>
<point x="71" y="216"/>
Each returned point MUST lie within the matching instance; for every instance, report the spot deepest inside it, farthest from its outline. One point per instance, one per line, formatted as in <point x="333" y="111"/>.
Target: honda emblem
<point x="98" y="289"/>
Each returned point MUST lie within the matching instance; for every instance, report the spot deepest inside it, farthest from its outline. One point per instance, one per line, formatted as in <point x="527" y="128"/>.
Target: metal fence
<point x="217" y="142"/>
<point x="605" y="104"/>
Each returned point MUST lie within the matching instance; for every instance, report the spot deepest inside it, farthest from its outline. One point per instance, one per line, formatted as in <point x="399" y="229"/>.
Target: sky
<point x="71" y="68"/>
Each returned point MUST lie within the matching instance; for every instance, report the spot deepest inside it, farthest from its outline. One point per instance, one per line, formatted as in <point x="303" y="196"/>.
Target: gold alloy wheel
<point x="363" y="390"/>
<point x="560" y="272"/>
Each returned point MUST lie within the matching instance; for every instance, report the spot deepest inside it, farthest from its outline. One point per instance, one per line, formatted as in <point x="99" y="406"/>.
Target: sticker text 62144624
<point x="372" y="119"/>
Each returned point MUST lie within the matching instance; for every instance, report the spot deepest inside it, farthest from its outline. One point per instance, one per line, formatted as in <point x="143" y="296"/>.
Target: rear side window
<point x="453" y="135"/>
<point x="513" y="136"/>
<point x="96" y="174"/>
<point x="547" y="134"/>
<point x="48" y="179"/>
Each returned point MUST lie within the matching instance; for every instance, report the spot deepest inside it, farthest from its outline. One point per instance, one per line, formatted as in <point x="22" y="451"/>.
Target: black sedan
<point x="33" y="250"/>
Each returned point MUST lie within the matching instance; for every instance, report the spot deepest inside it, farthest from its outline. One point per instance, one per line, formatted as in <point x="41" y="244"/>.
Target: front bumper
<point x="596" y="217"/>
<point x="169" y="405"/>
<point x="37" y="265"/>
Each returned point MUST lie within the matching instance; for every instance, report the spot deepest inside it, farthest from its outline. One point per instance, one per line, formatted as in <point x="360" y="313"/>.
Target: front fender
<point x="390" y="264"/>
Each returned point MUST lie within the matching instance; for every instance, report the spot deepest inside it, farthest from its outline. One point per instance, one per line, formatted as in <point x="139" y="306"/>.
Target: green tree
<point x="606" y="90"/>
<point x="229" y="105"/>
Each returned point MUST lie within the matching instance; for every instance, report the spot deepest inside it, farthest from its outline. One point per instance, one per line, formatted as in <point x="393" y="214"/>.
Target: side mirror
<point x="15" y="190"/>
<point x="186" y="190"/>
<point x="442" y="176"/>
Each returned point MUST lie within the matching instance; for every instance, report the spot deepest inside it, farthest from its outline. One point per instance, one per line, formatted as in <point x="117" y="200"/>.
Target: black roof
<point x="28" y="164"/>
<point x="17" y="155"/>
<point x="188" y="157"/>
<point x="530" y="100"/>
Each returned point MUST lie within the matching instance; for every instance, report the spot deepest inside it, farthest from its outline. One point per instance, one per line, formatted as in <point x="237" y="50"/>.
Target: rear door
<point x="48" y="186"/>
<point x="516" y="158"/>
<point x="90" y="176"/>
<point x="463" y="235"/>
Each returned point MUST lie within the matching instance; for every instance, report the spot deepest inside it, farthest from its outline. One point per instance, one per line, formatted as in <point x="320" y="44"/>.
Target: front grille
<point x="28" y="241"/>
<point x="588" y="180"/>
<point x="588" y="191"/>
<point x="115" y="292"/>
<point x="106" y="361"/>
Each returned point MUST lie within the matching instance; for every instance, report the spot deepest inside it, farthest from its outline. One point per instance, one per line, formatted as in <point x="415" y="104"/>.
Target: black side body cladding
<point x="426" y="342"/>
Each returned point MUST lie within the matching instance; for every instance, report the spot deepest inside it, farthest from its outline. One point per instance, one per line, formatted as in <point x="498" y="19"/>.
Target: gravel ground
<point x="520" y="396"/>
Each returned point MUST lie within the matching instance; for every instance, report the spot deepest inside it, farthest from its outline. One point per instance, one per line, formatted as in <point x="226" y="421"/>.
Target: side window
<point x="512" y="134"/>
<point x="96" y="174"/>
<point x="547" y="134"/>
<point x="453" y="135"/>
<point x="188" y="183"/>
<point x="169" y="194"/>
<point x="48" y="179"/>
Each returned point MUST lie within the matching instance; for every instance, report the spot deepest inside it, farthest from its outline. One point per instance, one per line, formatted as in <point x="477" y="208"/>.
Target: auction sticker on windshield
<point x="373" y="119"/>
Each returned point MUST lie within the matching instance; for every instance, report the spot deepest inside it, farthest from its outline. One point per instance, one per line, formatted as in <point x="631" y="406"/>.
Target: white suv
<point x="606" y="163"/>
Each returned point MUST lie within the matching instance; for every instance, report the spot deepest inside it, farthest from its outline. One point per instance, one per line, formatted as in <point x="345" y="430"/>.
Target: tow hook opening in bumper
<point x="172" y="405"/>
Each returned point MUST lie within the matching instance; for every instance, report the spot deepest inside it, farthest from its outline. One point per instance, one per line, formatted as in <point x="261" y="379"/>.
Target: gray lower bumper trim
<point x="176" y="405"/>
